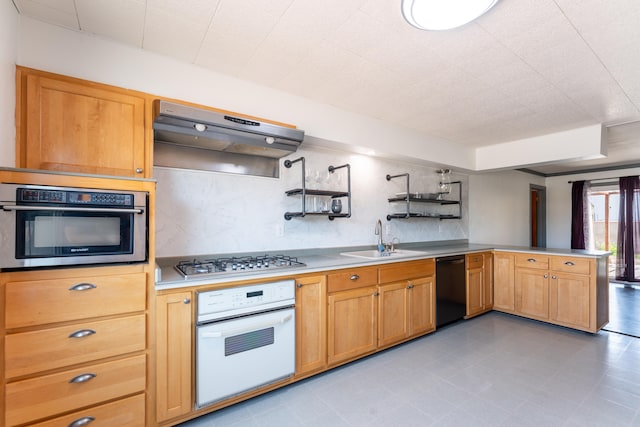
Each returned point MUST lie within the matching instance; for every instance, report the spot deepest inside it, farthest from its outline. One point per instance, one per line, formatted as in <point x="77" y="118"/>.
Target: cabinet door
<point x="422" y="313"/>
<point x="569" y="302"/>
<point x="76" y="126"/>
<point x="353" y="327"/>
<point x="174" y="331"/>
<point x="504" y="282"/>
<point x="393" y="313"/>
<point x="475" y="283"/>
<point x="487" y="288"/>
<point x="532" y="293"/>
<point x="311" y="324"/>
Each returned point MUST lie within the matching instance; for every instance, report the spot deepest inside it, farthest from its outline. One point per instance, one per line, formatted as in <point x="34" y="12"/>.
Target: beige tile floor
<point x="494" y="370"/>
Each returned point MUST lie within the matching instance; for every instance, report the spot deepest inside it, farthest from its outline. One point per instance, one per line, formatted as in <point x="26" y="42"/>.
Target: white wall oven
<point x="245" y="338"/>
<point x="56" y="226"/>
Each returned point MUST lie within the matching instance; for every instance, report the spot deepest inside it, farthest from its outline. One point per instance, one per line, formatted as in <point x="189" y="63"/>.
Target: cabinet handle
<point x="531" y="260"/>
<point x="139" y="170"/>
<point x="82" y="333"/>
<point x="554" y="277"/>
<point x="299" y="285"/>
<point x="546" y="276"/>
<point x="569" y="263"/>
<point x="375" y="294"/>
<point x="354" y="277"/>
<point x="82" y="378"/>
<point x="186" y="301"/>
<point x="81" y="422"/>
<point x="410" y="286"/>
<point x="82" y="287"/>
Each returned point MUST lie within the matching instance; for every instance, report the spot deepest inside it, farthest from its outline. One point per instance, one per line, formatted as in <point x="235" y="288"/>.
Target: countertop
<point x="316" y="260"/>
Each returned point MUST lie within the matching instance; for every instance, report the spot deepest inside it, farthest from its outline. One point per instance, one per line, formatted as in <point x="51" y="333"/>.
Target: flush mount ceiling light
<point x="443" y="14"/>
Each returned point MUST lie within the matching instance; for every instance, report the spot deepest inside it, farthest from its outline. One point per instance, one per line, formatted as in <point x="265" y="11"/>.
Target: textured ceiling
<point x="526" y="68"/>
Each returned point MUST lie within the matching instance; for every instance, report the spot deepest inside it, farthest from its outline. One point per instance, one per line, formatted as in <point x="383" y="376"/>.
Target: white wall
<point x="207" y="213"/>
<point x="559" y="204"/>
<point x="8" y="54"/>
<point x="499" y="207"/>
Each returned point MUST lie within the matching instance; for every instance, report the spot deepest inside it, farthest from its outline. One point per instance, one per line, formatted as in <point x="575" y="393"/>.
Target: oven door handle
<point x="60" y="209"/>
<point x="251" y="328"/>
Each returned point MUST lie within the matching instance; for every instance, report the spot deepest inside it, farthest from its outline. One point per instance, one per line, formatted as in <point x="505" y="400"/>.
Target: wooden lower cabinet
<point x="568" y="291"/>
<point x="173" y="356"/>
<point x="504" y="282"/>
<point x="479" y="283"/>
<point x="352" y="324"/>
<point x="128" y="412"/>
<point x="311" y="324"/>
<point x="74" y="339"/>
<point x="532" y="293"/>
<point x="570" y="299"/>
<point x="406" y="309"/>
<point x="48" y="395"/>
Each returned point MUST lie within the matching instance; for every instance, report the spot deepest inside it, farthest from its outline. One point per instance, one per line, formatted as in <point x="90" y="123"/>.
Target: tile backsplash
<point x="200" y="212"/>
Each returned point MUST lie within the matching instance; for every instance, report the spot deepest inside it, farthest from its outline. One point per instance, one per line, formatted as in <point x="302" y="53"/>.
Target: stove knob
<point x="234" y="267"/>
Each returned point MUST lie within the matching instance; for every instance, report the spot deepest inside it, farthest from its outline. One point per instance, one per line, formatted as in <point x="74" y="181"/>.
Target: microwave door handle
<point x="251" y="328"/>
<point x="61" y="209"/>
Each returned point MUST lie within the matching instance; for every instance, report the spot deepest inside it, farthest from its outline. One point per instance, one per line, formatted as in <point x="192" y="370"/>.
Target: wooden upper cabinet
<point x="71" y="125"/>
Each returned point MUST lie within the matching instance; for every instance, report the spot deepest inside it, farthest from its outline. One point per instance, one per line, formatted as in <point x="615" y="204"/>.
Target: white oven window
<point x="62" y="231"/>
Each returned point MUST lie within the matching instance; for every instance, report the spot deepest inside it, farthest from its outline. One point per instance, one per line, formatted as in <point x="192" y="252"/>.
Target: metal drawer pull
<point x="354" y="277"/>
<point x="82" y="333"/>
<point x="569" y="263"/>
<point x="82" y="287"/>
<point x="531" y="260"/>
<point x="410" y="286"/>
<point x="554" y="277"/>
<point x="81" y="422"/>
<point x="546" y="276"/>
<point x="83" y="378"/>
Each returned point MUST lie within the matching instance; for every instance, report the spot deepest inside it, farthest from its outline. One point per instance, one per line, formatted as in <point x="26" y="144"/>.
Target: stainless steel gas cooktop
<point x="211" y="267"/>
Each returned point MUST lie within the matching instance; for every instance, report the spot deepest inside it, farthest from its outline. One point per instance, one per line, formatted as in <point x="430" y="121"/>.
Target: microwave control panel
<point x="64" y="197"/>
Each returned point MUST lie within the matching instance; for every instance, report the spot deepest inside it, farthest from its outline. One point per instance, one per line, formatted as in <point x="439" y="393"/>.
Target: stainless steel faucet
<point x="378" y="232"/>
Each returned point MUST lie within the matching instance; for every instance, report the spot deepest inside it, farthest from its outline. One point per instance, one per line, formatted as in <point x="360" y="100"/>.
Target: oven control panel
<point x="229" y="302"/>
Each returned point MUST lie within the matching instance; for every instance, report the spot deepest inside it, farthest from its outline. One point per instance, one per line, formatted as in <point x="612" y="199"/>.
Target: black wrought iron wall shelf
<point x="434" y="198"/>
<point x="331" y="211"/>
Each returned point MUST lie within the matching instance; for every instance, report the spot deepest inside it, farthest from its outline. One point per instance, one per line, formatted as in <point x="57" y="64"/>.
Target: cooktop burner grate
<point x="212" y="266"/>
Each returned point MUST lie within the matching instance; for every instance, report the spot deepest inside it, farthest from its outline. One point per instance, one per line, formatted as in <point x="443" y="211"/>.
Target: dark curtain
<point x="628" y="229"/>
<point x="578" y="238"/>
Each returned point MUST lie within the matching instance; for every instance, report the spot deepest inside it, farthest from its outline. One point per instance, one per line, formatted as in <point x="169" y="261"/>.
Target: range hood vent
<point x="194" y="138"/>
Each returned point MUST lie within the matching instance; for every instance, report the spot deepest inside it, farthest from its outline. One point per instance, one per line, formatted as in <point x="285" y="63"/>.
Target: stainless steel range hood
<point x="195" y="138"/>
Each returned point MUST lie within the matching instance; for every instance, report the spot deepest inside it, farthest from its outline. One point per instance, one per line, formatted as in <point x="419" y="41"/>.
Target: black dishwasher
<point x="451" y="301"/>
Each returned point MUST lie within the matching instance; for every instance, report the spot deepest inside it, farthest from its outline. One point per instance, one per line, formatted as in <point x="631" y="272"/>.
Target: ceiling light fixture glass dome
<point x="443" y="14"/>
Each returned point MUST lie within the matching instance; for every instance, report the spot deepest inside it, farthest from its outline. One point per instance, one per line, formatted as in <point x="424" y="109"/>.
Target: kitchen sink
<point x="375" y="254"/>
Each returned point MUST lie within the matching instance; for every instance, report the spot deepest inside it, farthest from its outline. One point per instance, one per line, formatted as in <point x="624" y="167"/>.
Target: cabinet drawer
<point x="570" y="265"/>
<point x="49" y="395"/>
<point x="406" y="270"/>
<point x="532" y="261"/>
<point x="39" y="302"/>
<point x="129" y="412"/>
<point x="37" y="351"/>
<point x="352" y="279"/>
<point x="474" y="261"/>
